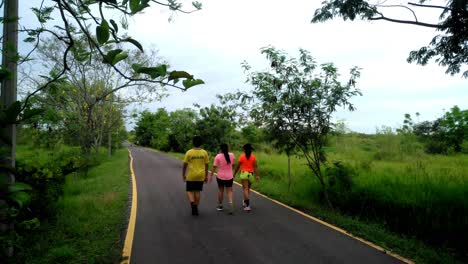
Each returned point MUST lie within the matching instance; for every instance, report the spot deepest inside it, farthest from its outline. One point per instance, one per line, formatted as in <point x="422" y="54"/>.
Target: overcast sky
<point x="212" y="43"/>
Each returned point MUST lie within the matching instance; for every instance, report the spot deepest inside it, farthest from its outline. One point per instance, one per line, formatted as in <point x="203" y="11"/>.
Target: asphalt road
<point x="166" y="232"/>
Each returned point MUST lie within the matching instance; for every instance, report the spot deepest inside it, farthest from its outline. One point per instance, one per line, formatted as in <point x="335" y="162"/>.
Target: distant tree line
<point x="446" y="134"/>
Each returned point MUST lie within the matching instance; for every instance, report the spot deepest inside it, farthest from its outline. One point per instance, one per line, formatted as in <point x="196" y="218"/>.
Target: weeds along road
<point x="166" y="232"/>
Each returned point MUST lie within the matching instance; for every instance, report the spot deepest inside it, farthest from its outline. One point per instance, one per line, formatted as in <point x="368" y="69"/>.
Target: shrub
<point x="47" y="177"/>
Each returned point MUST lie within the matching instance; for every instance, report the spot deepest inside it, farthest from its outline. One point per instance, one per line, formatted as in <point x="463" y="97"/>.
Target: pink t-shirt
<point x="225" y="169"/>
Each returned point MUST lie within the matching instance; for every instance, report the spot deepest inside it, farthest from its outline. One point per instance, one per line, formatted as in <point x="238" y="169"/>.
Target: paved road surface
<point x="166" y="232"/>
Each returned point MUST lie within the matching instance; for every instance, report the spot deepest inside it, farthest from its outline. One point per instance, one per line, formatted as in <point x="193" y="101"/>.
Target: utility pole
<point x="9" y="62"/>
<point x="7" y="98"/>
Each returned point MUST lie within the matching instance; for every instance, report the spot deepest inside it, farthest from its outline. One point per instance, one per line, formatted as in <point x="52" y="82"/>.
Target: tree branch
<point x="406" y="22"/>
<point x="411" y="10"/>
<point x="430" y="6"/>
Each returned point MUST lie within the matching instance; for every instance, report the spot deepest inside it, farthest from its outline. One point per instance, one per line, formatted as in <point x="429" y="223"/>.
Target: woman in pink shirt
<point x="224" y="177"/>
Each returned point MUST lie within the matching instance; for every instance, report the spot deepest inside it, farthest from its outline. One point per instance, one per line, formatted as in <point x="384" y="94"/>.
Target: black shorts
<point x="194" y="186"/>
<point x="224" y="183"/>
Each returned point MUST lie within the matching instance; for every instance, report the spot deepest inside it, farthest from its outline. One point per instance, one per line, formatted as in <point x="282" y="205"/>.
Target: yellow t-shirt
<point x="196" y="159"/>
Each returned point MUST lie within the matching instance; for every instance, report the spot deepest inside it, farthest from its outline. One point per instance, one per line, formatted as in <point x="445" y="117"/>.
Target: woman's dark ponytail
<point x="247" y="153"/>
<point x="247" y="150"/>
<point x="225" y="151"/>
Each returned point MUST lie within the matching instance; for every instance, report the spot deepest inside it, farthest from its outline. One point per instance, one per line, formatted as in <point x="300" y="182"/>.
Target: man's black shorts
<point x="224" y="183"/>
<point x="194" y="186"/>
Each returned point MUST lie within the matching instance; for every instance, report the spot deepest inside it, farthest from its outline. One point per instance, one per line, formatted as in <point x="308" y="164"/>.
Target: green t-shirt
<point x="196" y="160"/>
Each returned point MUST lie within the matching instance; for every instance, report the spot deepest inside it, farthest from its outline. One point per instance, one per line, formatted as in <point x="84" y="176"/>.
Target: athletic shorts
<point x="245" y="175"/>
<point x="194" y="186"/>
<point x="224" y="183"/>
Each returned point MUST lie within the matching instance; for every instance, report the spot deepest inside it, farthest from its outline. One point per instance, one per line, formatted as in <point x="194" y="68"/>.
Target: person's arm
<point x="256" y="171"/>
<point x="212" y="172"/>
<point x="184" y="169"/>
<point x="237" y="169"/>
<point x="206" y="172"/>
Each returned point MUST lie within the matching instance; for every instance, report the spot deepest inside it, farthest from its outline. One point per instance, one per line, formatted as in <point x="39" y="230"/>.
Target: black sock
<point x="246" y="202"/>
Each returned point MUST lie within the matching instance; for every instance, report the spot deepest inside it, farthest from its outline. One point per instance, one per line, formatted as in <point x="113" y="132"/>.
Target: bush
<point x="340" y="181"/>
<point x="464" y="147"/>
<point x="46" y="175"/>
<point x="436" y="147"/>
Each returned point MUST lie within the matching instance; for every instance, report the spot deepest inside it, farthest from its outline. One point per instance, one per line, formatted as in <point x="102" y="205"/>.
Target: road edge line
<point x="127" y="249"/>
<point x="375" y="246"/>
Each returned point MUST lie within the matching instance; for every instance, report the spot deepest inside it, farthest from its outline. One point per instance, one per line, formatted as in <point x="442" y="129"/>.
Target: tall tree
<point x="216" y="125"/>
<point x="72" y="19"/>
<point x="183" y="122"/>
<point x="295" y="98"/>
<point x="449" y="48"/>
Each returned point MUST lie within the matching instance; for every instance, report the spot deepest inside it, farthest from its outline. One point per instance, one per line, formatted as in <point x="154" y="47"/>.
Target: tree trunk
<point x="325" y="192"/>
<point x="8" y="97"/>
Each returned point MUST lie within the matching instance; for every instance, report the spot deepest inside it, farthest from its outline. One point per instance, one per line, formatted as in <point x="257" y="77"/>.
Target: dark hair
<point x="197" y="141"/>
<point x="225" y="150"/>
<point x="248" y="150"/>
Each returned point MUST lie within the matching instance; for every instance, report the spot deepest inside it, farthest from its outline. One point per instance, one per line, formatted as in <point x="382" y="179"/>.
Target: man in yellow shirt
<point x="196" y="160"/>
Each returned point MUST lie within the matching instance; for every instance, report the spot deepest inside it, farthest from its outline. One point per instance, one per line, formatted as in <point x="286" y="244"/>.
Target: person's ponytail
<point x="247" y="153"/>
<point x="225" y="151"/>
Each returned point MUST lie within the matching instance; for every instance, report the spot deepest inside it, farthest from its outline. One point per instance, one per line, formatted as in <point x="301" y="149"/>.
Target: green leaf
<point x="20" y="198"/>
<point x="179" y="74"/>
<point x="154" y="72"/>
<point x="110" y="56"/>
<point x="29" y="113"/>
<point x="134" y="4"/>
<point x="29" y="39"/>
<point x="119" y="57"/>
<point x="19" y="186"/>
<point x="136" y="67"/>
<point x="5" y="74"/>
<point x="102" y="32"/>
<point x="12" y="112"/>
<point x="114" y="25"/>
<point x="134" y="42"/>
<point x="190" y="82"/>
<point x="197" y="5"/>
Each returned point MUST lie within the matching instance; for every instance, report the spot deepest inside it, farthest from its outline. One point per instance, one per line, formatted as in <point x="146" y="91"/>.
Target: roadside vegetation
<point x="88" y="217"/>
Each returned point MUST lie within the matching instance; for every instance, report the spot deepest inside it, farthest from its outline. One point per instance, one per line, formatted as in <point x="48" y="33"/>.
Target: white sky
<point x="212" y="43"/>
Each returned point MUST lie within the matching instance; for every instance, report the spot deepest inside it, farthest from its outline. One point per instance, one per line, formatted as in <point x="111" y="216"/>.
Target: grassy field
<point x="399" y="198"/>
<point x="90" y="217"/>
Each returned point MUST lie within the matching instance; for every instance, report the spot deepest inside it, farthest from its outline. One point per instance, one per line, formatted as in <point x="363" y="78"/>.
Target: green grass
<point x="89" y="220"/>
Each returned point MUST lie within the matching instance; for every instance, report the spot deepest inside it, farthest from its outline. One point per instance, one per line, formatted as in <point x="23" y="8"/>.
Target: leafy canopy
<point x="449" y="48"/>
<point x="295" y="99"/>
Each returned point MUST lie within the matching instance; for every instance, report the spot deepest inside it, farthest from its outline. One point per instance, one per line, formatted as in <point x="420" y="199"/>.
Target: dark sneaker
<point x="194" y="210"/>
<point x="219" y="208"/>
<point x="231" y="208"/>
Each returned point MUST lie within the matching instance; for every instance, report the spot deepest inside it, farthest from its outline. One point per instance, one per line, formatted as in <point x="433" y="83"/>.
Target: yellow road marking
<point x="127" y="249"/>
<point x="405" y="260"/>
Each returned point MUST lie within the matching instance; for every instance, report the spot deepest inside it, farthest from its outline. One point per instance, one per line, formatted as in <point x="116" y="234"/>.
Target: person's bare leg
<point x="231" y="205"/>
<point x="220" y="195"/>
<point x="229" y="194"/>
<point x="197" y="198"/>
<point x="245" y="189"/>
<point x="191" y="197"/>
